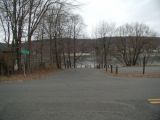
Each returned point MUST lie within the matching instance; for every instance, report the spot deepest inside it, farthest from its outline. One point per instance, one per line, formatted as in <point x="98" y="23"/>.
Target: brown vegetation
<point x="135" y="74"/>
<point x="35" y="75"/>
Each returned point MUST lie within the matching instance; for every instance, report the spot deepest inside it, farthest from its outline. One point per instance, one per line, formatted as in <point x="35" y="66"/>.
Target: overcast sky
<point x="120" y="12"/>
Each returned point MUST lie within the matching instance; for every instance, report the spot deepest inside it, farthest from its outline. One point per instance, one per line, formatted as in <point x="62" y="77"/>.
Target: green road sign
<point x="25" y="52"/>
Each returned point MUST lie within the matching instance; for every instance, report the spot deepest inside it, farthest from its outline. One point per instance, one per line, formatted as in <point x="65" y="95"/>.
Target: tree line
<point x="25" y="20"/>
<point x="127" y="43"/>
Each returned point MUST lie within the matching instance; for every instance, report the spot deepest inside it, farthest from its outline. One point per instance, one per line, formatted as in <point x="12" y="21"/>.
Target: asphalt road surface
<point x="80" y="94"/>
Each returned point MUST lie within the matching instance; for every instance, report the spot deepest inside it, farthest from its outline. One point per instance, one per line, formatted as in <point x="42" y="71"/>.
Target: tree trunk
<point x="42" y="49"/>
<point x="29" y="56"/>
<point x="105" y="52"/>
<point x="56" y="51"/>
<point x="74" y="53"/>
<point x="17" y="44"/>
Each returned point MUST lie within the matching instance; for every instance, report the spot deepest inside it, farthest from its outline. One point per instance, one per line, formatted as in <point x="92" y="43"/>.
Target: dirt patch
<point x="136" y="74"/>
<point x="35" y="75"/>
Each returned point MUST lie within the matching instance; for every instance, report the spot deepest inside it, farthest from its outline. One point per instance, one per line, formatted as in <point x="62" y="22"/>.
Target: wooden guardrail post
<point x="111" y="68"/>
<point x="106" y="67"/>
<point x="116" y="69"/>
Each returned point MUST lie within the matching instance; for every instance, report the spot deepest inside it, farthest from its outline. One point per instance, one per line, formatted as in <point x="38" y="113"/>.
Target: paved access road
<point x="80" y="94"/>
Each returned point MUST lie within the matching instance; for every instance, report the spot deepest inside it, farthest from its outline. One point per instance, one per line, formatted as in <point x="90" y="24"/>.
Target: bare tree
<point x="57" y="19"/>
<point x="14" y="12"/>
<point x="76" y="29"/>
<point x="104" y="32"/>
<point x="53" y="29"/>
<point x="37" y="8"/>
<point x="68" y="35"/>
<point x="40" y="31"/>
<point x="132" y="42"/>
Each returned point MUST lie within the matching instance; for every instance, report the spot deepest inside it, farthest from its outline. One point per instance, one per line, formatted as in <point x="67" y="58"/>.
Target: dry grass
<point x="30" y="76"/>
<point x="136" y="74"/>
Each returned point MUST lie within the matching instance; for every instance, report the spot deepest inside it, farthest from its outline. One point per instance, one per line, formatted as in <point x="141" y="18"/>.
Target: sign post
<point x="24" y="53"/>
